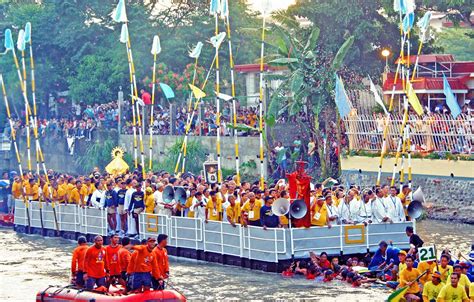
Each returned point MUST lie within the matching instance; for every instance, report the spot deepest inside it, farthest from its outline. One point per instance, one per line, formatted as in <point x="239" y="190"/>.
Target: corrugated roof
<point x="432" y="84"/>
<point x="434" y="58"/>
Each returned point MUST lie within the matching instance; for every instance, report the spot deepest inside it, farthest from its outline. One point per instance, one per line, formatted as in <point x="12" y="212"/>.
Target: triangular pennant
<point x="198" y="93"/>
<point x="377" y="97"/>
<point x="138" y="100"/>
<point x="120" y="13"/>
<point x="216" y="41"/>
<point x="413" y="99"/>
<point x="214" y="7"/>
<point x="196" y="52"/>
<point x="224" y="97"/>
<point x="20" y="43"/>
<point x="124" y="34"/>
<point x="225" y="8"/>
<point x="156" y="47"/>
<point x="9" y="45"/>
<point x="167" y="91"/>
<point x="27" y="32"/>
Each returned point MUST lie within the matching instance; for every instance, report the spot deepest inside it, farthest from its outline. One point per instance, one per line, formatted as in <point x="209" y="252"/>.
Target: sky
<point x="276" y="4"/>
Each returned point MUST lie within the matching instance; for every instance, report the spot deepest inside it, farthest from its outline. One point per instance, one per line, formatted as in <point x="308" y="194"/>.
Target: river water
<point x="30" y="263"/>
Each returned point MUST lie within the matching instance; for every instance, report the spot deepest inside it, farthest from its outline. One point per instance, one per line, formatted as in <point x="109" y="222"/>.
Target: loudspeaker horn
<point x="281" y="206"/>
<point x="180" y="195"/>
<point x="298" y="209"/>
<point x="415" y="208"/>
<point x="168" y="194"/>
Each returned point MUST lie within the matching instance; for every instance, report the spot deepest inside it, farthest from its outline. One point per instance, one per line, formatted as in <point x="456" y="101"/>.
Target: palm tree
<point x="308" y="84"/>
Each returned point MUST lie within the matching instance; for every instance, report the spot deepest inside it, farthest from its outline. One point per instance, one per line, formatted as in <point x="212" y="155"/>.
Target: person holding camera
<point x="199" y="206"/>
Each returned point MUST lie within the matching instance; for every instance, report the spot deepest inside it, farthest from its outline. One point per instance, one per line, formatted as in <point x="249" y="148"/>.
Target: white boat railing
<point x="254" y="243"/>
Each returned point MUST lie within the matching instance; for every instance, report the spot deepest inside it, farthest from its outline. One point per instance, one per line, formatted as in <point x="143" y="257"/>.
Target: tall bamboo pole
<point x="260" y="105"/>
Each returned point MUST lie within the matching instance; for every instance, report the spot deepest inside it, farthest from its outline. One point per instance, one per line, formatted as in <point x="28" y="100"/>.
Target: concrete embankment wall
<point x="448" y="185"/>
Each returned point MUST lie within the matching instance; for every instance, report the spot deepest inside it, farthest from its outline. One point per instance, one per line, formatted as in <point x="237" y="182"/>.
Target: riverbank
<point x="450" y="213"/>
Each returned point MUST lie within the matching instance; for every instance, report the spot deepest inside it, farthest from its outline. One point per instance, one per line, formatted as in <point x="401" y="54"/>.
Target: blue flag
<point x="451" y="99"/>
<point x="342" y="101"/>
<point x="408" y="21"/>
<point x="214" y="7"/>
<point x="9" y="40"/>
<point x="167" y="91"/>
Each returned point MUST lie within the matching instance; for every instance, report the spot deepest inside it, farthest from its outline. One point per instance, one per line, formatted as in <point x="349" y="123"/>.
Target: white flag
<point x="377" y="97"/>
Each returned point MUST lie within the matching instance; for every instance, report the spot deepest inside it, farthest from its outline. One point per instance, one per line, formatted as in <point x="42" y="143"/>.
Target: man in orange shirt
<point x="17" y="188"/>
<point x="125" y="255"/>
<point x="77" y="263"/>
<point x="144" y="267"/>
<point x="32" y="190"/>
<point x="112" y="264"/>
<point x="161" y="255"/>
<point x="94" y="264"/>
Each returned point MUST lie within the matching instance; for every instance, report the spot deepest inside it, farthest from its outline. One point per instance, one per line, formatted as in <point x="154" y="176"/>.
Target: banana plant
<point x="308" y="82"/>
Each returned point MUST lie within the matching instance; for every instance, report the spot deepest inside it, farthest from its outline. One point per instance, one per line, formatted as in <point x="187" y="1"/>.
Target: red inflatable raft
<point x="57" y="294"/>
<point x="6" y="219"/>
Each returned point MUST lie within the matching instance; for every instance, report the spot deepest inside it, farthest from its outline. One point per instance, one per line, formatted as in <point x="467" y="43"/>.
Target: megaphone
<point x="180" y="195"/>
<point x="168" y="194"/>
<point x="415" y="208"/>
<point x="281" y="207"/>
<point x="298" y="209"/>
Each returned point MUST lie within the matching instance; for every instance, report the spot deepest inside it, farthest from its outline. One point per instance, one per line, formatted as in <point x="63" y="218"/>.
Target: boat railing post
<point x="249" y="241"/>
<point x="275" y="243"/>
<point x="340" y="239"/>
<point x="222" y="237"/>
<point x="103" y="219"/>
<point x="367" y="237"/>
<point x="241" y="241"/>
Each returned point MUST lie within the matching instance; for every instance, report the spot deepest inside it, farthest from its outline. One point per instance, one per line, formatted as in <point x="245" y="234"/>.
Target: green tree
<point x="308" y="84"/>
<point x="457" y="41"/>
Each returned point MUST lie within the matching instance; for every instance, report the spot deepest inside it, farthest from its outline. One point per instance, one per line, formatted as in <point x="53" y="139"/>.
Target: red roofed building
<point x="428" y="83"/>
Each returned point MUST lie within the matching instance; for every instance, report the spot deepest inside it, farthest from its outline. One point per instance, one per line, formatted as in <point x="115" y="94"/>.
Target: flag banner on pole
<point x="378" y="99"/>
<point x="198" y="93"/>
<point x="196" y="52"/>
<point x="224" y="97"/>
<point x="424" y="25"/>
<point x="138" y="100"/>
<point x="20" y="43"/>
<point x="399" y="5"/>
<point x="167" y="91"/>
<point x="216" y="41"/>
<point x="342" y="101"/>
<point x="27" y="37"/>
<point x="156" y="47"/>
<point x="124" y="34"/>
<point x="451" y="99"/>
<point x="407" y="22"/>
<point x="120" y="14"/>
<point x="266" y="7"/>
<point x="215" y="7"/>
<point x="225" y="8"/>
<point x="413" y="99"/>
<point x="397" y="295"/>
<point x="9" y="45"/>
<point x="409" y="6"/>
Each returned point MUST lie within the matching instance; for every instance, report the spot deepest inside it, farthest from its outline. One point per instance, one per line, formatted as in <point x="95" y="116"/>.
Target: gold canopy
<point x="117" y="166"/>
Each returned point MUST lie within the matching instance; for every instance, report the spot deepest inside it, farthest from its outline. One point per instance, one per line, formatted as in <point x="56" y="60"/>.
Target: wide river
<point x="31" y="263"/>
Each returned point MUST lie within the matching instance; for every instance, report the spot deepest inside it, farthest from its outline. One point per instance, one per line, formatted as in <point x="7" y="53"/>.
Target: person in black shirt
<point x="415" y="240"/>
<point x="267" y="218"/>
<point x="121" y="202"/>
<point x="137" y="204"/>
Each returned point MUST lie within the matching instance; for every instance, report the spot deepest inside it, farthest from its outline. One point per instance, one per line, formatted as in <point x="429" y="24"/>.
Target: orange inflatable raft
<point x="58" y="294"/>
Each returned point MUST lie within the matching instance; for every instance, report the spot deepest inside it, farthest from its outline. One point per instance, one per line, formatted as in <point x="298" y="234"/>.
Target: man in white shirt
<point x="199" y="206"/>
<point x="333" y="213"/>
<point x="364" y="215"/>
<point x="397" y="212"/>
<point x="132" y="229"/>
<point x="164" y="208"/>
<point x="345" y="214"/>
<point x="380" y="208"/>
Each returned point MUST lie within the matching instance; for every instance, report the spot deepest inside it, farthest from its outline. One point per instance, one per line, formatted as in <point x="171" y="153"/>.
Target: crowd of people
<point x="446" y="279"/>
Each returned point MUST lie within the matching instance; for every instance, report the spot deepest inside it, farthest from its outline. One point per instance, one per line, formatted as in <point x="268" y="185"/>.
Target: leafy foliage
<point x="457" y="41"/>
<point x="97" y="154"/>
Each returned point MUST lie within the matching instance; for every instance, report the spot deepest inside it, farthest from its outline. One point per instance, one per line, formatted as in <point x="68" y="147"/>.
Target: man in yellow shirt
<point x="403" y="195"/>
<point x="432" y="288"/>
<point x="251" y="210"/>
<point x="17" y="188"/>
<point x="149" y="201"/>
<point x="233" y="211"/>
<point x="453" y="292"/>
<point x="471" y="291"/>
<point x="445" y="269"/>
<point x="429" y="266"/>
<point x="32" y="190"/>
<point x="189" y="203"/>
<point x="463" y="279"/>
<point x="75" y="196"/>
<point x="62" y="192"/>
<point x="213" y="208"/>
<point x="319" y="213"/>
<point x="408" y="278"/>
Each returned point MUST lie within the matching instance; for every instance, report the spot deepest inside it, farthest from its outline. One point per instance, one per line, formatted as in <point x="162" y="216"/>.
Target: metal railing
<point x="254" y="243"/>
<point x="429" y="133"/>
